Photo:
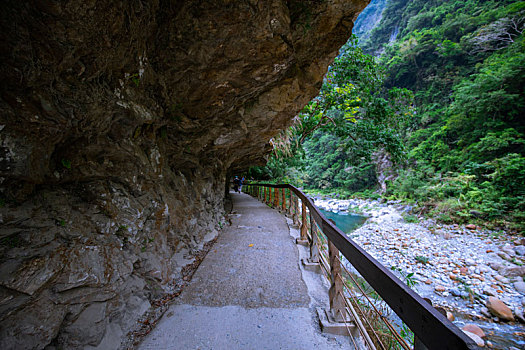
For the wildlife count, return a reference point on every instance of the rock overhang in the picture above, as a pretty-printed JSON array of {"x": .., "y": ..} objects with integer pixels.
[{"x": 119, "y": 124}]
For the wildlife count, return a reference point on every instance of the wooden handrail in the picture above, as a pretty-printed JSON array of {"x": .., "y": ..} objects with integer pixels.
[{"x": 428, "y": 325}]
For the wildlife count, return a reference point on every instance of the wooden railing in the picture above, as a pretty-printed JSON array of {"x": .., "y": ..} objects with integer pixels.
[{"x": 431, "y": 328}]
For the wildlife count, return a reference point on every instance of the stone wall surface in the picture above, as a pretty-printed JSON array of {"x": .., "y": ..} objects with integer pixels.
[{"x": 120, "y": 123}]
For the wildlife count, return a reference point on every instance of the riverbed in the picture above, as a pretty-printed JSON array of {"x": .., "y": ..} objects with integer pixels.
[{"x": 457, "y": 267}]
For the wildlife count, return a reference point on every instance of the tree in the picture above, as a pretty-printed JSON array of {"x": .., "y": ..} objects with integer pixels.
[
  {"x": 354, "y": 106},
  {"x": 498, "y": 34}
]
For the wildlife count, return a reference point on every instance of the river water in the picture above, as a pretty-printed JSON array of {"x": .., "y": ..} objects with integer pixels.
[{"x": 345, "y": 222}]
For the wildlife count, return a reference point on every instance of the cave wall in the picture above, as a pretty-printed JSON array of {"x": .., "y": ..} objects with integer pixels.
[{"x": 120, "y": 122}]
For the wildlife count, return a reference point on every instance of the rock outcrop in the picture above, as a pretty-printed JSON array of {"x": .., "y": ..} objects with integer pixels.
[
  {"x": 120, "y": 123},
  {"x": 384, "y": 168}
]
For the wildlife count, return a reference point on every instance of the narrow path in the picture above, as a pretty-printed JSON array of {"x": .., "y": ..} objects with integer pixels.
[{"x": 248, "y": 292}]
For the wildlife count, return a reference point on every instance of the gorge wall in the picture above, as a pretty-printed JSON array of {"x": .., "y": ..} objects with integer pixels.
[{"x": 120, "y": 123}]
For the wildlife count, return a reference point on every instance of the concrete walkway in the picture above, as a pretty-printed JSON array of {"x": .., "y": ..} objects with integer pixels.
[{"x": 248, "y": 293}]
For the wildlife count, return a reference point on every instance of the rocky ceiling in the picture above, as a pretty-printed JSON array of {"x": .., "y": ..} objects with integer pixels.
[{"x": 120, "y": 122}]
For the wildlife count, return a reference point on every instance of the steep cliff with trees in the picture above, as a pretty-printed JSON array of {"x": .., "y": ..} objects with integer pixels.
[
  {"x": 465, "y": 62},
  {"x": 369, "y": 19},
  {"x": 457, "y": 148}
]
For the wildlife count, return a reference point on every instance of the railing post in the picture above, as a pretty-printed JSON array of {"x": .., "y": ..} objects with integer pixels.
[
  {"x": 265, "y": 194},
  {"x": 337, "y": 304},
  {"x": 283, "y": 204},
  {"x": 314, "y": 248},
  {"x": 276, "y": 198},
  {"x": 336, "y": 319},
  {"x": 295, "y": 213},
  {"x": 289, "y": 209},
  {"x": 303, "y": 239},
  {"x": 312, "y": 263}
]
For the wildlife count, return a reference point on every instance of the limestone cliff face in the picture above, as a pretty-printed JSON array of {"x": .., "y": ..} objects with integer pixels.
[{"x": 120, "y": 122}]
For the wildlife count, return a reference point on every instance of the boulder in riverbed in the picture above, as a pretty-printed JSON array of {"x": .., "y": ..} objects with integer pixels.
[
  {"x": 487, "y": 290},
  {"x": 499, "y": 309},
  {"x": 513, "y": 271},
  {"x": 450, "y": 316},
  {"x": 520, "y": 287},
  {"x": 518, "y": 312},
  {"x": 504, "y": 256},
  {"x": 496, "y": 266},
  {"x": 440, "y": 288},
  {"x": 479, "y": 342},
  {"x": 472, "y": 328},
  {"x": 520, "y": 250}
]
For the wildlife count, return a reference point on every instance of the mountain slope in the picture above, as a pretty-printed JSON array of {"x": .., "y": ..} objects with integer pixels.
[{"x": 465, "y": 63}]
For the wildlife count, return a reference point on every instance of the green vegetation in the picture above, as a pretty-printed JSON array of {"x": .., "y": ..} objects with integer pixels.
[
  {"x": 408, "y": 278},
  {"x": 135, "y": 78},
  {"x": 66, "y": 163},
  {"x": 333, "y": 142},
  {"x": 12, "y": 241},
  {"x": 437, "y": 120},
  {"x": 410, "y": 218},
  {"x": 470, "y": 294},
  {"x": 421, "y": 259},
  {"x": 465, "y": 60},
  {"x": 407, "y": 334},
  {"x": 145, "y": 242}
]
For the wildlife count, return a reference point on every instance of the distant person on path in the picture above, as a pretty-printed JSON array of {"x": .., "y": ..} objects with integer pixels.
[
  {"x": 236, "y": 184},
  {"x": 242, "y": 183}
]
